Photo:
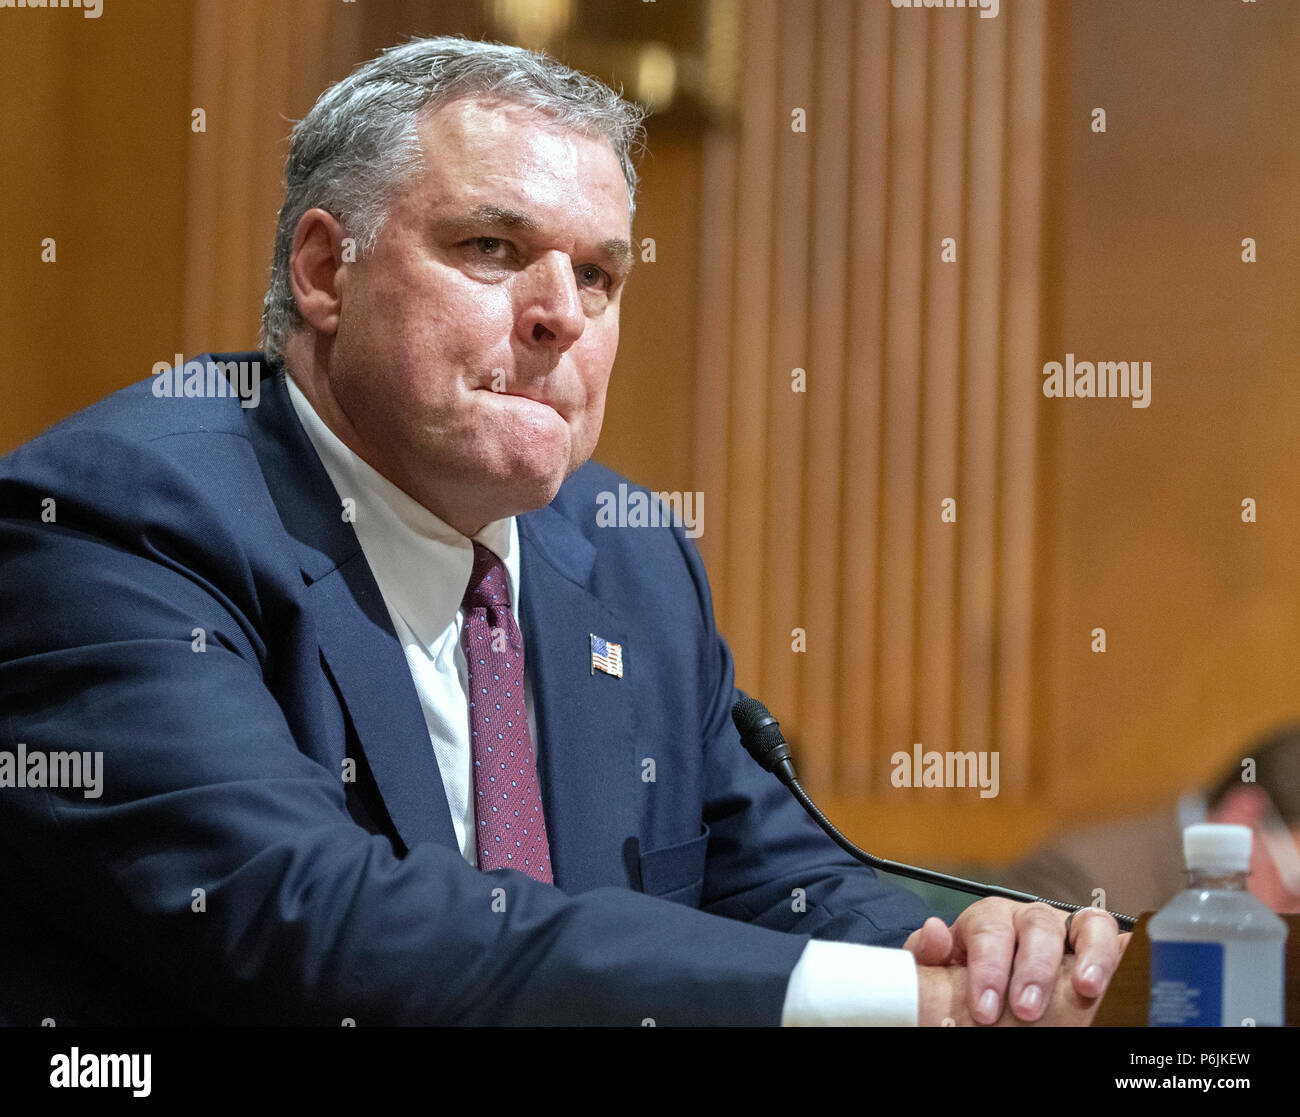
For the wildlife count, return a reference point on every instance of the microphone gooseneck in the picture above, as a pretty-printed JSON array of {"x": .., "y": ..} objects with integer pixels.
[{"x": 761, "y": 735}]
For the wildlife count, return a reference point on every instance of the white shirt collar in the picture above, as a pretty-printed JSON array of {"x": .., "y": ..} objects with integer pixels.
[{"x": 421, "y": 564}]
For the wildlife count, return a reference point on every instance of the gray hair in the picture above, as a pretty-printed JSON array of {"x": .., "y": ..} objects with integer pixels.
[{"x": 360, "y": 141}]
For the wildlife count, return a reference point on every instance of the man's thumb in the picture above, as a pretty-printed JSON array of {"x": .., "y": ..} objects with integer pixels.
[{"x": 932, "y": 944}]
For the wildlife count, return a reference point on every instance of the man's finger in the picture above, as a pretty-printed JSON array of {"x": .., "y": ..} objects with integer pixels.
[
  {"x": 986, "y": 934},
  {"x": 1040, "y": 947},
  {"x": 1094, "y": 936},
  {"x": 932, "y": 944}
]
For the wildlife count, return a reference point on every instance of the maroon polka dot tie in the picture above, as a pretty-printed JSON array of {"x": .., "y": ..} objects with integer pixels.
[{"x": 510, "y": 832}]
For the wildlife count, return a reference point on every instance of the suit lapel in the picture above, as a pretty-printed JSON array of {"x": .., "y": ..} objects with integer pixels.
[
  {"x": 587, "y": 757},
  {"x": 356, "y": 634}
]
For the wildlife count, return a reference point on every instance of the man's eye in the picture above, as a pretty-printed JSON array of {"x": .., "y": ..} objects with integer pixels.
[
  {"x": 489, "y": 246},
  {"x": 591, "y": 276}
]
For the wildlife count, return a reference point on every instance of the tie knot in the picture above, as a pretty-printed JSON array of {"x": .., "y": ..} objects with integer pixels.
[{"x": 487, "y": 587}]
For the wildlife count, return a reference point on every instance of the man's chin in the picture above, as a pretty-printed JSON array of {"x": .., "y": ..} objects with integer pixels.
[{"x": 526, "y": 489}]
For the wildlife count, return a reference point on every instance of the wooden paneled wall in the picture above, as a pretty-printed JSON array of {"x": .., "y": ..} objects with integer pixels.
[
  {"x": 925, "y": 381},
  {"x": 94, "y": 132},
  {"x": 823, "y": 252},
  {"x": 256, "y": 68},
  {"x": 1143, "y": 522}
]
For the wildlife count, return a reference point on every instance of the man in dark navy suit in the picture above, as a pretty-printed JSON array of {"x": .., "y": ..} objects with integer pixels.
[{"x": 389, "y": 728}]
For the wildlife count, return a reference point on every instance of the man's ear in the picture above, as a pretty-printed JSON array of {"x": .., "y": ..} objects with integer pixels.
[
  {"x": 316, "y": 270},
  {"x": 1246, "y": 805}
]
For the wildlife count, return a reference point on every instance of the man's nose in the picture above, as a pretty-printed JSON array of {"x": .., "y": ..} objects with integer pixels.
[{"x": 552, "y": 313}]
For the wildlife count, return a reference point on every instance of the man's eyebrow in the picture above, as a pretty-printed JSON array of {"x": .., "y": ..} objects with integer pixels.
[
  {"x": 496, "y": 216},
  {"x": 619, "y": 251},
  {"x": 615, "y": 249}
]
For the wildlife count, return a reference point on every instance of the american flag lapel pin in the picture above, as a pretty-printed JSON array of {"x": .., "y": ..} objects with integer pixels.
[{"x": 606, "y": 656}]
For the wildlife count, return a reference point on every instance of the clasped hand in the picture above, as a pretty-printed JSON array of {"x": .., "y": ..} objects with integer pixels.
[{"x": 1003, "y": 962}]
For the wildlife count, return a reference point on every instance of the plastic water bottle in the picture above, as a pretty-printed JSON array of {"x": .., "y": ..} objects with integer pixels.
[{"x": 1217, "y": 952}]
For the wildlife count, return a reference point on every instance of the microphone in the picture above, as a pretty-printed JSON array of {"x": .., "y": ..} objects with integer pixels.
[{"x": 761, "y": 735}]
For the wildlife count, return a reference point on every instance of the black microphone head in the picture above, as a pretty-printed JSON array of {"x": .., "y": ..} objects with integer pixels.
[
  {"x": 749, "y": 714},
  {"x": 760, "y": 732}
]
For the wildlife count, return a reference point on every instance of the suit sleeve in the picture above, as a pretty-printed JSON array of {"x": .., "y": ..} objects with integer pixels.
[{"x": 217, "y": 877}]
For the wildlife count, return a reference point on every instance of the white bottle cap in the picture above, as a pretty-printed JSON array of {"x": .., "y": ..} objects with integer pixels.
[{"x": 1217, "y": 847}]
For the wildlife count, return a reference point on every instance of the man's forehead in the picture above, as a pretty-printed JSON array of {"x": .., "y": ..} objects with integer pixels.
[
  {"x": 479, "y": 111},
  {"x": 477, "y": 147}
]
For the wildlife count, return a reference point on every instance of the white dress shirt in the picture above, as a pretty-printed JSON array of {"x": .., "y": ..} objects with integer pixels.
[{"x": 422, "y": 567}]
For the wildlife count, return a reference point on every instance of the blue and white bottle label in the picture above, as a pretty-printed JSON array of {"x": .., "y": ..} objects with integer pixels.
[{"x": 1186, "y": 985}]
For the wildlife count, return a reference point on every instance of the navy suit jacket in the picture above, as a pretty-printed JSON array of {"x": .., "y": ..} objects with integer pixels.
[{"x": 230, "y": 873}]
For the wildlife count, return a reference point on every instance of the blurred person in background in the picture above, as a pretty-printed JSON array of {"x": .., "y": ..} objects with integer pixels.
[{"x": 1138, "y": 861}]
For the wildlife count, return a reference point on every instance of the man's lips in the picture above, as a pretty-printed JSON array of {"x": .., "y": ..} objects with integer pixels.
[{"x": 531, "y": 397}]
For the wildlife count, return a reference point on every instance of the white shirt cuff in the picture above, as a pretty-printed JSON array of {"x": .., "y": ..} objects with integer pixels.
[{"x": 839, "y": 984}]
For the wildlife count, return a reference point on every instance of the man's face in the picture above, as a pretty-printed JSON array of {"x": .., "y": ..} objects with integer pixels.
[
  {"x": 1275, "y": 867},
  {"x": 475, "y": 342}
]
